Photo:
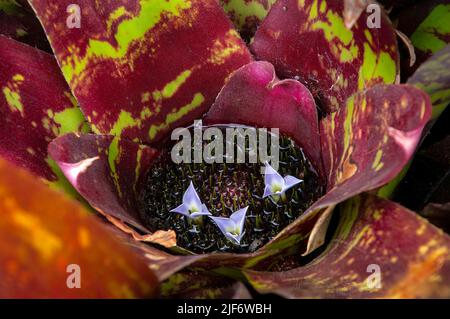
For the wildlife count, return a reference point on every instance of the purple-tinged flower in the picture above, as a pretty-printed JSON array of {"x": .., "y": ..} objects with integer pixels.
[
  {"x": 192, "y": 206},
  {"x": 276, "y": 185},
  {"x": 232, "y": 227}
]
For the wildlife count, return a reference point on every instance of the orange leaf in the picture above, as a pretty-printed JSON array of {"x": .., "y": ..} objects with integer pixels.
[{"x": 49, "y": 243}]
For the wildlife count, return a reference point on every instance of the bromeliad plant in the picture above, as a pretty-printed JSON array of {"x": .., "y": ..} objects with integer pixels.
[{"x": 139, "y": 69}]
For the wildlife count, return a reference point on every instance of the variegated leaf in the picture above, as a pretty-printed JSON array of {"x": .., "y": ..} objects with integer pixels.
[{"x": 140, "y": 68}]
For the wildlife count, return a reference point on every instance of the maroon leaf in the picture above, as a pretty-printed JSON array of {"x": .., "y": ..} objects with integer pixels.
[
  {"x": 35, "y": 107},
  {"x": 367, "y": 143},
  {"x": 310, "y": 42},
  {"x": 141, "y": 68},
  {"x": 374, "y": 236}
]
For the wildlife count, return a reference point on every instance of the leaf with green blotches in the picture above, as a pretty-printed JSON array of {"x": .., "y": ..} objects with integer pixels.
[
  {"x": 434, "y": 31},
  {"x": 311, "y": 42},
  {"x": 366, "y": 144},
  {"x": 35, "y": 107},
  {"x": 380, "y": 250},
  {"x": 18, "y": 21},
  {"x": 247, "y": 15},
  {"x": 47, "y": 239},
  {"x": 142, "y": 68}
]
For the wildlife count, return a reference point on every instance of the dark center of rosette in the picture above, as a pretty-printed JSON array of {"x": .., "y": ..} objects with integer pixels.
[{"x": 225, "y": 188}]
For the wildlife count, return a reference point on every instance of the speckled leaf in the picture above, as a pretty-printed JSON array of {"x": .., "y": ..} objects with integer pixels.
[
  {"x": 140, "y": 68},
  {"x": 105, "y": 170},
  {"x": 35, "y": 107},
  {"x": 42, "y": 233},
  {"x": 426, "y": 24},
  {"x": 247, "y": 15},
  {"x": 18, "y": 21},
  {"x": 434, "y": 78},
  {"x": 411, "y": 255},
  {"x": 308, "y": 40},
  {"x": 255, "y": 96},
  {"x": 202, "y": 285},
  {"x": 369, "y": 141}
]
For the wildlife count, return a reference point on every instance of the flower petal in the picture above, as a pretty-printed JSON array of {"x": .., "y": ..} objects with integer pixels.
[
  {"x": 182, "y": 209},
  {"x": 267, "y": 191},
  {"x": 202, "y": 213},
  {"x": 291, "y": 181},
  {"x": 234, "y": 237},
  {"x": 271, "y": 178},
  {"x": 238, "y": 218},
  {"x": 254, "y": 96},
  {"x": 35, "y": 107},
  {"x": 205, "y": 210},
  {"x": 108, "y": 183},
  {"x": 223, "y": 223},
  {"x": 412, "y": 256},
  {"x": 191, "y": 198},
  {"x": 44, "y": 237},
  {"x": 336, "y": 62},
  {"x": 141, "y": 68}
]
